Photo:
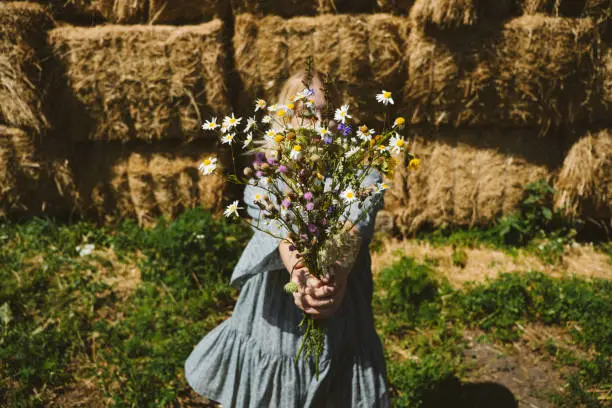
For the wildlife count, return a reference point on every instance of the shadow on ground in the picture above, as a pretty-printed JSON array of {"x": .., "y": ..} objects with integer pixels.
[{"x": 452, "y": 393}]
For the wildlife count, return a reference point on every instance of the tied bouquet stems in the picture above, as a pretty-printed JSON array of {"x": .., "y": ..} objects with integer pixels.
[{"x": 309, "y": 169}]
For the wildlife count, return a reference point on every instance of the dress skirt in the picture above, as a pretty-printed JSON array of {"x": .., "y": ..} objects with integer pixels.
[{"x": 248, "y": 360}]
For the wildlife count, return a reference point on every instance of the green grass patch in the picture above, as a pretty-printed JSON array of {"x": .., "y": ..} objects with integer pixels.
[{"x": 412, "y": 303}]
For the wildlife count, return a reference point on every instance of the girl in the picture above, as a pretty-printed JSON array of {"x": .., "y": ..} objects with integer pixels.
[{"x": 248, "y": 360}]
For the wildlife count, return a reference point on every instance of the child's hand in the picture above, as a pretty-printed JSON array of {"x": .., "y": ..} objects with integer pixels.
[{"x": 315, "y": 297}]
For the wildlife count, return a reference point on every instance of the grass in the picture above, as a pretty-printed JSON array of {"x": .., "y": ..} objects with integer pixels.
[
  {"x": 426, "y": 318},
  {"x": 118, "y": 323},
  {"x": 59, "y": 312}
]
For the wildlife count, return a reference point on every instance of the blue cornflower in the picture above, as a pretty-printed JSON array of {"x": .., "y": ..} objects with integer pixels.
[{"x": 345, "y": 129}]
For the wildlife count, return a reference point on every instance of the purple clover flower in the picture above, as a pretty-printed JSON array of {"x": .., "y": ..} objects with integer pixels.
[
  {"x": 327, "y": 139},
  {"x": 308, "y": 196},
  {"x": 345, "y": 129},
  {"x": 260, "y": 156},
  {"x": 271, "y": 161},
  {"x": 312, "y": 228},
  {"x": 292, "y": 248},
  {"x": 304, "y": 237},
  {"x": 310, "y": 206},
  {"x": 282, "y": 169},
  {"x": 259, "y": 173},
  {"x": 324, "y": 221},
  {"x": 286, "y": 203},
  {"x": 331, "y": 210}
]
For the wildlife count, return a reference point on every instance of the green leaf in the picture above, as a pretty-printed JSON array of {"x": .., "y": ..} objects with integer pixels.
[{"x": 547, "y": 213}]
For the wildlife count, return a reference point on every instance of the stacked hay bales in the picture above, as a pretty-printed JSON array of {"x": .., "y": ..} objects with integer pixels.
[
  {"x": 364, "y": 52},
  {"x": 22, "y": 48},
  {"x": 31, "y": 182},
  {"x": 445, "y": 14},
  {"x": 537, "y": 72},
  {"x": 467, "y": 177},
  {"x": 141, "y": 82},
  {"x": 291, "y": 8},
  {"x": 584, "y": 183},
  {"x": 144, "y": 180},
  {"x": 89, "y": 12}
]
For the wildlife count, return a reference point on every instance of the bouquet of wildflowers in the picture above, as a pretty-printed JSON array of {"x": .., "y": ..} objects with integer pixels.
[{"x": 311, "y": 173}]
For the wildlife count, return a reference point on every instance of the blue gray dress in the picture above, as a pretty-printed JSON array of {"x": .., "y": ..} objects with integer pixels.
[{"x": 248, "y": 360}]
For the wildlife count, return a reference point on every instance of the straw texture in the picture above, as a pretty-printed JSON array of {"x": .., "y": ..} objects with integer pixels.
[{"x": 141, "y": 82}]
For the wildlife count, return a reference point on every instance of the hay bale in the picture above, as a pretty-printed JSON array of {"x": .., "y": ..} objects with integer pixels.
[
  {"x": 448, "y": 14},
  {"x": 292, "y": 8},
  {"x": 539, "y": 72},
  {"x": 568, "y": 8},
  {"x": 22, "y": 46},
  {"x": 467, "y": 177},
  {"x": 400, "y": 7},
  {"x": 192, "y": 11},
  {"x": 364, "y": 52},
  {"x": 141, "y": 82},
  {"x": 144, "y": 181},
  {"x": 584, "y": 184}
]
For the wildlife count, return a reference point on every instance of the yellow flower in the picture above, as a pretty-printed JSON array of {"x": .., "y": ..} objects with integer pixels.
[
  {"x": 297, "y": 148},
  {"x": 399, "y": 122},
  {"x": 319, "y": 176},
  {"x": 281, "y": 113},
  {"x": 414, "y": 164},
  {"x": 291, "y": 106},
  {"x": 278, "y": 138}
]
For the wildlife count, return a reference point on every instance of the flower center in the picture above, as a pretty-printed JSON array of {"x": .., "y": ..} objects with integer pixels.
[{"x": 387, "y": 95}]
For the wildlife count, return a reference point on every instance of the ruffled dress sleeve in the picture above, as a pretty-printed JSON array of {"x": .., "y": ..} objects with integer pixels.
[{"x": 261, "y": 253}]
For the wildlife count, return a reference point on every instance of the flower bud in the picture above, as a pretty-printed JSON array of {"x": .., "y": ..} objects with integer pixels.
[
  {"x": 265, "y": 166},
  {"x": 290, "y": 136},
  {"x": 248, "y": 171}
]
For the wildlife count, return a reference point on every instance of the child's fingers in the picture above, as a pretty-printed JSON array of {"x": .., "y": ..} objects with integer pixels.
[{"x": 321, "y": 292}]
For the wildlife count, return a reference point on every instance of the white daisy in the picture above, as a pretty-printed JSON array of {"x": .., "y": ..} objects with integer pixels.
[
  {"x": 396, "y": 144},
  {"x": 342, "y": 114},
  {"x": 364, "y": 133},
  {"x": 273, "y": 108},
  {"x": 348, "y": 195},
  {"x": 351, "y": 152},
  {"x": 310, "y": 103},
  {"x": 266, "y": 119},
  {"x": 270, "y": 135},
  {"x": 257, "y": 198},
  {"x": 381, "y": 148},
  {"x": 208, "y": 166},
  {"x": 296, "y": 152},
  {"x": 232, "y": 209},
  {"x": 228, "y": 139},
  {"x": 231, "y": 121},
  {"x": 250, "y": 123},
  {"x": 247, "y": 141},
  {"x": 224, "y": 129},
  {"x": 384, "y": 97},
  {"x": 260, "y": 104},
  {"x": 322, "y": 131},
  {"x": 382, "y": 186},
  {"x": 210, "y": 124}
]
